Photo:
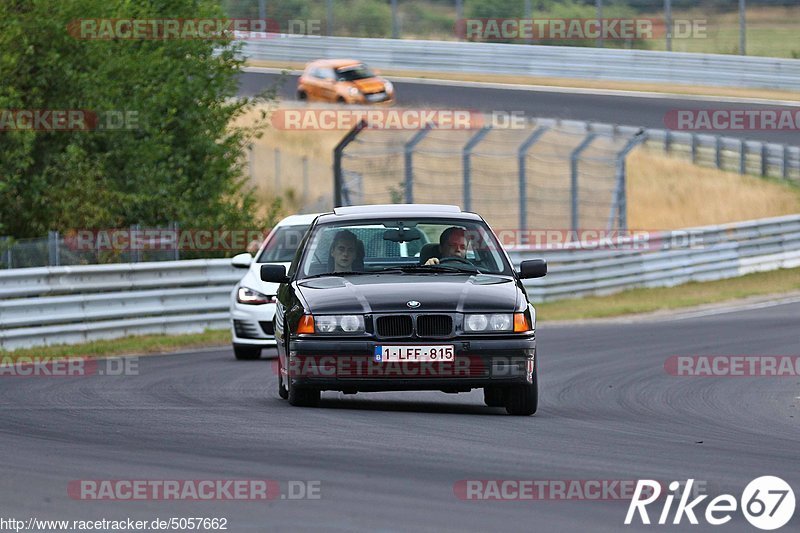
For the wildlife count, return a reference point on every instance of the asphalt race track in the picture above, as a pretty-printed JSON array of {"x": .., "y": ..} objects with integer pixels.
[
  {"x": 389, "y": 461},
  {"x": 626, "y": 110}
]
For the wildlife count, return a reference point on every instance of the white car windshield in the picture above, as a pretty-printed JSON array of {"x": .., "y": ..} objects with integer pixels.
[{"x": 282, "y": 244}]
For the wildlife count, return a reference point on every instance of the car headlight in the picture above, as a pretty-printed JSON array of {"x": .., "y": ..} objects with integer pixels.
[
  {"x": 488, "y": 323},
  {"x": 388, "y": 86},
  {"x": 354, "y": 91},
  {"x": 246, "y": 295},
  {"x": 342, "y": 324}
]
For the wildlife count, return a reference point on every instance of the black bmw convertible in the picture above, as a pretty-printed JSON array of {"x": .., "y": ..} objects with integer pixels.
[{"x": 405, "y": 297}]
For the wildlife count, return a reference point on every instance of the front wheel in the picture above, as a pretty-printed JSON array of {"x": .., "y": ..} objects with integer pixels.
[
  {"x": 246, "y": 353},
  {"x": 302, "y": 397},
  {"x": 493, "y": 397},
  {"x": 522, "y": 400},
  {"x": 283, "y": 392}
]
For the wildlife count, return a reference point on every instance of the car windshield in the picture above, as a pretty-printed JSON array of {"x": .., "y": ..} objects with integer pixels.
[
  {"x": 356, "y": 72},
  {"x": 282, "y": 244},
  {"x": 406, "y": 245}
]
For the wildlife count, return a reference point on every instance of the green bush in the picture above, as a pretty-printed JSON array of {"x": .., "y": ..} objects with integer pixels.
[{"x": 179, "y": 162}]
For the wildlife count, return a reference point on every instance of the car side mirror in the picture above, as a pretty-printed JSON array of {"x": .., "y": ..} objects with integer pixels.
[
  {"x": 533, "y": 268},
  {"x": 242, "y": 260},
  {"x": 274, "y": 274}
]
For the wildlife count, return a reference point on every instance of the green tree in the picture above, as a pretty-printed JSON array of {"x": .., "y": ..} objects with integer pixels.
[{"x": 176, "y": 159}]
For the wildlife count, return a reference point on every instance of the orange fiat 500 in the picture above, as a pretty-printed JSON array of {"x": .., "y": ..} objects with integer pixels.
[{"x": 343, "y": 81}]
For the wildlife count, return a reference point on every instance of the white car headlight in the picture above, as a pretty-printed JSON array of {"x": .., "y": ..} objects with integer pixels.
[
  {"x": 341, "y": 324},
  {"x": 388, "y": 86},
  {"x": 497, "y": 322},
  {"x": 246, "y": 295},
  {"x": 354, "y": 91}
]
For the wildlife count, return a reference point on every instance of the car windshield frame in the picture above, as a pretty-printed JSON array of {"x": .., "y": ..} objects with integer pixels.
[
  {"x": 276, "y": 236},
  {"x": 343, "y": 73},
  {"x": 476, "y": 227}
]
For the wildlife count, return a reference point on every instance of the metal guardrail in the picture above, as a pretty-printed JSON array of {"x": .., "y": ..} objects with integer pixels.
[
  {"x": 65, "y": 305},
  {"x": 544, "y": 61},
  {"x": 667, "y": 259}
]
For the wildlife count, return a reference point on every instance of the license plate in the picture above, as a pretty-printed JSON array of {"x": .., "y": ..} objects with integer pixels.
[
  {"x": 437, "y": 352},
  {"x": 377, "y": 97}
]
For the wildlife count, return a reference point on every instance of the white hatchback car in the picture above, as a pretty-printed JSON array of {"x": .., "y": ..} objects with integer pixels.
[{"x": 253, "y": 300}]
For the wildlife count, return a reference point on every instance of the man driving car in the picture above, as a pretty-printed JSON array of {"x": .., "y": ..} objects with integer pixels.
[{"x": 452, "y": 243}]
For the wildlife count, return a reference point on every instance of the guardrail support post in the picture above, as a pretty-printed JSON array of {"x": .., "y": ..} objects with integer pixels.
[
  {"x": 175, "y": 232},
  {"x": 467, "y": 164},
  {"x": 329, "y": 17},
  {"x": 5, "y": 243},
  {"x": 52, "y": 249},
  {"x": 338, "y": 152},
  {"x": 717, "y": 151},
  {"x": 694, "y": 148},
  {"x": 409, "y": 161},
  {"x": 133, "y": 240},
  {"x": 574, "y": 156},
  {"x": 522, "y": 153},
  {"x": 764, "y": 159},
  {"x": 620, "y": 203},
  {"x": 742, "y": 157},
  {"x": 785, "y": 165}
]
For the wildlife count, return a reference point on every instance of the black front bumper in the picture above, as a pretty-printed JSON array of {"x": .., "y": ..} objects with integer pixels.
[{"x": 349, "y": 365}]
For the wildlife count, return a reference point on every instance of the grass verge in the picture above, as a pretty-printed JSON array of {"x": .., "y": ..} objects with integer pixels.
[
  {"x": 144, "y": 344},
  {"x": 636, "y": 301},
  {"x": 624, "y": 303}
]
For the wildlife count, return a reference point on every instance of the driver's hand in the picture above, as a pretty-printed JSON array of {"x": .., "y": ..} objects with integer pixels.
[{"x": 432, "y": 261}]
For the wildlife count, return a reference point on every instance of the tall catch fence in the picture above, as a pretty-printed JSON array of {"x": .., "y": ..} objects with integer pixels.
[{"x": 546, "y": 175}]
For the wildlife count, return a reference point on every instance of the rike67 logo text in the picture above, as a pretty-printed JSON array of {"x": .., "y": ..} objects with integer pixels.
[{"x": 767, "y": 502}]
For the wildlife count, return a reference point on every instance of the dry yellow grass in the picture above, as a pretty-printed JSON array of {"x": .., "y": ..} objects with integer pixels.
[
  {"x": 277, "y": 159},
  {"x": 667, "y": 193},
  {"x": 663, "y": 192}
]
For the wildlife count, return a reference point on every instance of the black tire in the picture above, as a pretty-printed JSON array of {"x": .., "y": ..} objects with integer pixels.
[
  {"x": 522, "y": 400},
  {"x": 494, "y": 397},
  {"x": 341, "y": 100},
  {"x": 302, "y": 397},
  {"x": 283, "y": 392},
  {"x": 301, "y": 95},
  {"x": 246, "y": 353}
]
